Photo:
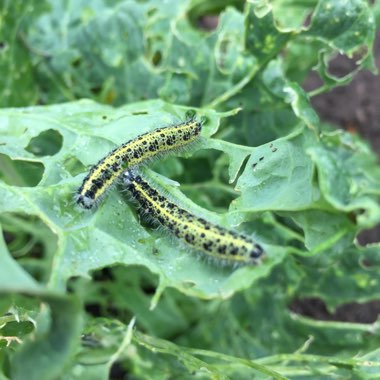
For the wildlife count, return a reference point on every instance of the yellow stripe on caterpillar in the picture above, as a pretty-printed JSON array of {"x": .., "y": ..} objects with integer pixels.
[
  {"x": 132, "y": 153},
  {"x": 212, "y": 240}
]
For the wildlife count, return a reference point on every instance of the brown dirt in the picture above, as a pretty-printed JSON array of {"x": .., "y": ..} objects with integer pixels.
[{"x": 356, "y": 108}]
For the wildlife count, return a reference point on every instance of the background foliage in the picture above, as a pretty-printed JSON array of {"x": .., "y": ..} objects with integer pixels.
[{"x": 102, "y": 294}]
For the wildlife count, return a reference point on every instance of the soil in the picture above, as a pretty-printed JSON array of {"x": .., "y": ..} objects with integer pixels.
[{"x": 356, "y": 108}]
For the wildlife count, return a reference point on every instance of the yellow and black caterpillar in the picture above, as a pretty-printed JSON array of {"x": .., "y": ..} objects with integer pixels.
[
  {"x": 212, "y": 240},
  {"x": 132, "y": 153}
]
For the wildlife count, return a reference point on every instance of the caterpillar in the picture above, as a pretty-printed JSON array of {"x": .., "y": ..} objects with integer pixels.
[
  {"x": 212, "y": 240},
  {"x": 132, "y": 153}
]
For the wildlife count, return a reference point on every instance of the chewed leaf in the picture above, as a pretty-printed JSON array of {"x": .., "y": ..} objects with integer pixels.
[
  {"x": 111, "y": 233},
  {"x": 279, "y": 176},
  {"x": 349, "y": 175}
]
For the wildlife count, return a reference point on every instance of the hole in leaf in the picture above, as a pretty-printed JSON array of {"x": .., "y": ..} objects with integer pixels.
[
  {"x": 47, "y": 143},
  {"x": 205, "y": 15},
  {"x": 20, "y": 172},
  {"x": 30, "y": 242},
  {"x": 155, "y": 46},
  {"x": 74, "y": 166},
  {"x": 288, "y": 223},
  {"x": 307, "y": 20},
  {"x": 312, "y": 82},
  {"x": 243, "y": 167},
  {"x": 341, "y": 65},
  {"x": 354, "y": 312},
  {"x": 117, "y": 371},
  {"x": 369, "y": 236},
  {"x": 156, "y": 58},
  {"x": 104, "y": 298},
  {"x": 208, "y": 22}
]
